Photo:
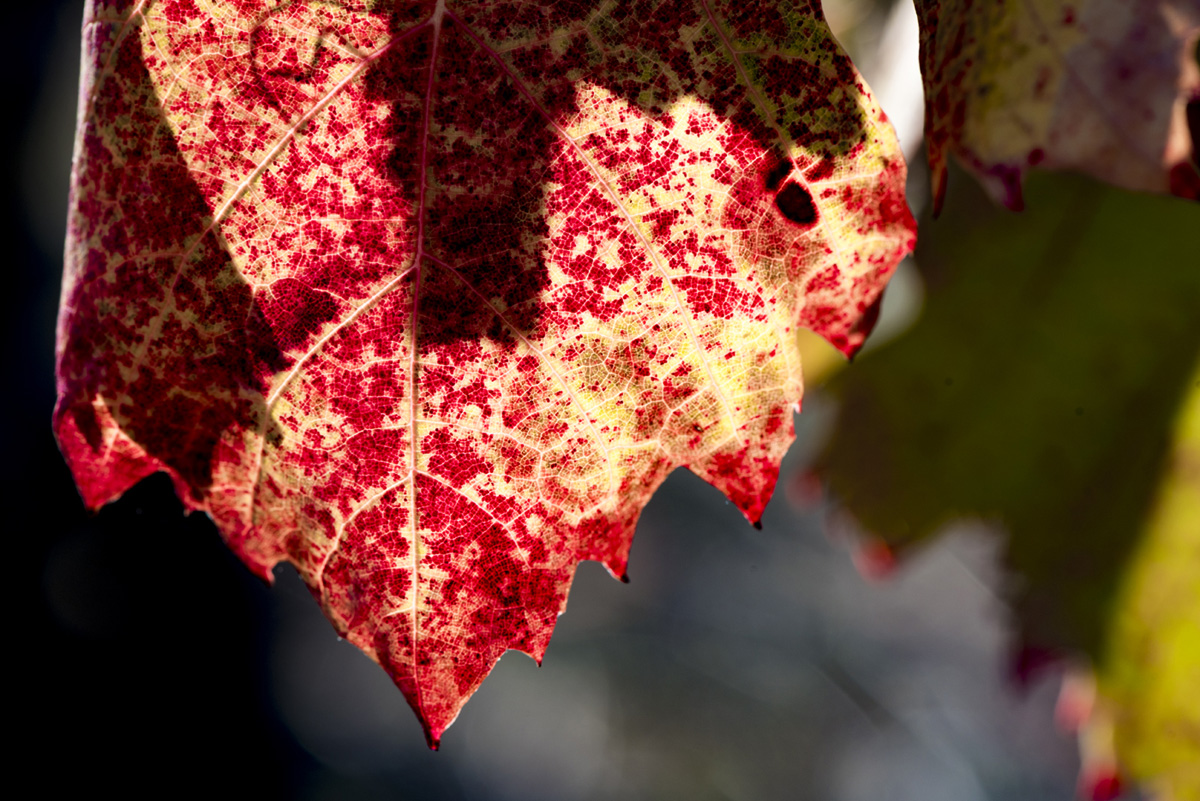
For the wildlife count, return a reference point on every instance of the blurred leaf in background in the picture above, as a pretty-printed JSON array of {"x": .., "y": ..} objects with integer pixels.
[
  {"x": 1040, "y": 389},
  {"x": 1150, "y": 673}
]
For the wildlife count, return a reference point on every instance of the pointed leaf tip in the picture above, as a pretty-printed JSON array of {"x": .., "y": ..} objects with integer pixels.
[{"x": 435, "y": 357}]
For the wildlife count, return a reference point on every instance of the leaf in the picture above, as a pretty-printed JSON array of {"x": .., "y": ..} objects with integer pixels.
[
  {"x": 1105, "y": 88},
  {"x": 1040, "y": 390},
  {"x": 427, "y": 299},
  {"x": 1150, "y": 670}
]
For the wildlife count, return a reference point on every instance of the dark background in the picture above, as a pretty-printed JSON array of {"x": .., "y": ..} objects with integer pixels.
[
  {"x": 139, "y": 639},
  {"x": 738, "y": 664}
]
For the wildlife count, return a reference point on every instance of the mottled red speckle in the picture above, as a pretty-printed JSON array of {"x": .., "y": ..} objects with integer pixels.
[
  {"x": 776, "y": 174},
  {"x": 426, "y": 299}
]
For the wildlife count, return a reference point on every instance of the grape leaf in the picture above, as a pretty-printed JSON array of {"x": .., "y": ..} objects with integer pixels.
[
  {"x": 1106, "y": 88},
  {"x": 1147, "y": 718},
  {"x": 426, "y": 299},
  {"x": 1061, "y": 429}
]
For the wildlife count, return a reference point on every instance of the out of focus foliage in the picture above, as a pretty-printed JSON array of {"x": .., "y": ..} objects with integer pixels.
[
  {"x": 1150, "y": 673},
  {"x": 1043, "y": 389}
]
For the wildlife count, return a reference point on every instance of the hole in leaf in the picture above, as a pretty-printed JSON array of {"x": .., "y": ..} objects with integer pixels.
[{"x": 796, "y": 203}]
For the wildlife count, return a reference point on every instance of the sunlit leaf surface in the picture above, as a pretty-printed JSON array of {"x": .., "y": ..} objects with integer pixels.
[{"x": 427, "y": 299}]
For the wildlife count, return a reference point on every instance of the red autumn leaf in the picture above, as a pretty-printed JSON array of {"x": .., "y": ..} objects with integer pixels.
[
  {"x": 1110, "y": 88},
  {"x": 428, "y": 299}
]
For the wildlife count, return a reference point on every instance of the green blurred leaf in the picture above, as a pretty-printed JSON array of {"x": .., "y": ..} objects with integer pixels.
[
  {"x": 1150, "y": 676},
  {"x": 1038, "y": 390},
  {"x": 1044, "y": 388}
]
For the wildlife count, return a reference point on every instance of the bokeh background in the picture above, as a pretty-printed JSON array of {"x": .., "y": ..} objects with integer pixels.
[{"x": 737, "y": 664}]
